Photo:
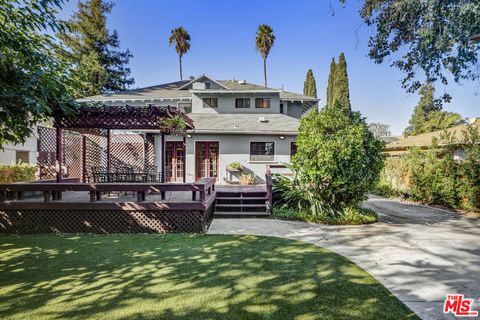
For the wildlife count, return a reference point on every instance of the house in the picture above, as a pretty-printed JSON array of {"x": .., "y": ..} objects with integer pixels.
[
  {"x": 401, "y": 146},
  {"x": 234, "y": 121},
  {"x": 25, "y": 153}
]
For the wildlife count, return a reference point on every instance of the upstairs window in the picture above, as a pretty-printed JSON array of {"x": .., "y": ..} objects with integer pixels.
[
  {"x": 185, "y": 107},
  {"x": 210, "y": 102},
  {"x": 242, "y": 103},
  {"x": 293, "y": 148},
  {"x": 207, "y": 85},
  {"x": 262, "y": 103},
  {"x": 262, "y": 151}
]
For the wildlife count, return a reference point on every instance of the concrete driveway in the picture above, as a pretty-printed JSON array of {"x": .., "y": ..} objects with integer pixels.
[{"x": 419, "y": 253}]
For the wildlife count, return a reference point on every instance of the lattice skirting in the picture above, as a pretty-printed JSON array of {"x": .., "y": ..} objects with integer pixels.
[{"x": 104, "y": 221}]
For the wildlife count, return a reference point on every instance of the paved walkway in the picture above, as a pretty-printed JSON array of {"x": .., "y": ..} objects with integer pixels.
[{"x": 418, "y": 253}]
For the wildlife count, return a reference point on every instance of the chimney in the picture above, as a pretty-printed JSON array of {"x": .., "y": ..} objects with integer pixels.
[{"x": 404, "y": 135}]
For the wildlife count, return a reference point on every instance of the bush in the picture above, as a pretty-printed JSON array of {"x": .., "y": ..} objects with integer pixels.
[
  {"x": 432, "y": 176},
  {"x": 17, "y": 173},
  {"x": 351, "y": 216},
  {"x": 338, "y": 161},
  {"x": 246, "y": 179}
]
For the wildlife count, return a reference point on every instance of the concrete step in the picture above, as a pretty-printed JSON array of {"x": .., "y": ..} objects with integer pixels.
[
  {"x": 241, "y": 198},
  {"x": 227, "y": 214}
]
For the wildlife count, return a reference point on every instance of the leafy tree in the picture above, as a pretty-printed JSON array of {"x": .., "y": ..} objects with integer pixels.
[
  {"x": 99, "y": 66},
  {"x": 379, "y": 129},
  {"x": 341, "y": 91},
  {"x": 264, "y": 42},
  {"x": 181, "y": 38},
  {"x": 337, "y": 162},
  {"x": 437, "y": 37},
  {"x": 330, "y": 85},
  {"x": 310, "y": 85},
  {"x": 429, "y": 116},
  {"x": 33, "y": 81}
]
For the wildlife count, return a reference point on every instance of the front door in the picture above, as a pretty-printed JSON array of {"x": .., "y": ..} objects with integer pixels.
[
  {"x": 206, "y": 159},
  {"x": 175, "y": 157}
]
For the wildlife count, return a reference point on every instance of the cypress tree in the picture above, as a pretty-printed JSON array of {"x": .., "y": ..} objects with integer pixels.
[
  {"x": 331, "y": 78},
  {"x": 98, "y": 64},
  {"x": 310, "y": 85},
  {"x": 341, "y": 92},
  {"x": 428, "y": 116}
]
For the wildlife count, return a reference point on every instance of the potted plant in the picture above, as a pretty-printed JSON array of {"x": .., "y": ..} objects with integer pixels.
[{"x": 235, "y": 167}]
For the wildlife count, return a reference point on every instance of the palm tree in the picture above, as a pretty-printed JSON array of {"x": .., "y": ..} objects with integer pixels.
[
  {"x": 264, "y": 42},
  {"x": 181, "y": 38}
]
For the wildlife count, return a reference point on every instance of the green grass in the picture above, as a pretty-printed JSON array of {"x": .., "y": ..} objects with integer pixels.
[
  {"x": 351, "y": 216},
  {"x": 184, "y": 277}
]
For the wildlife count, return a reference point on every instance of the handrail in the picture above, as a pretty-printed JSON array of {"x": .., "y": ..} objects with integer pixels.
[{"x": 54, "y": 190}]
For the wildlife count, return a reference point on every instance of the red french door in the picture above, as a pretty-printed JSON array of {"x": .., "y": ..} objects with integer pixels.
[
  {"x": 206, "y": 159},
  {"x": 174, "y": 161}
]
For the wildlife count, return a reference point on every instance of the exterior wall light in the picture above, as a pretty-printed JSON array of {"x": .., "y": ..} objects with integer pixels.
[{"x": 282, "y": 137}]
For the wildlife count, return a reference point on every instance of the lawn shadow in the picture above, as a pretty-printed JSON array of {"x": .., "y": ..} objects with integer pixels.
[{"x": 184, "y": 277}]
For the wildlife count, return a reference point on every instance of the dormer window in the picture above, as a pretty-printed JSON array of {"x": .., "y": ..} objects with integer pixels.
[{"x": 262, "y": 103}]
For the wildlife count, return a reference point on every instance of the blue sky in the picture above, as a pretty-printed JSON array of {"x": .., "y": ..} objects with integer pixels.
[{"x": 309, "y": 34}]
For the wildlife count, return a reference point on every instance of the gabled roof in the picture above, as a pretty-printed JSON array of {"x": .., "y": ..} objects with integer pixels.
[
  {"x": 244, "y": 123},
  {"x": 186, "y": 85},
  {"x": 177, "y": 90}
]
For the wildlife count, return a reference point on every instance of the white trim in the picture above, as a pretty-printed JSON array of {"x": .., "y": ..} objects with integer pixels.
[
  {"x": 134, "y": 99},
  {"x": 201, "y": 77},
  {"x": 235, "y": 91}
]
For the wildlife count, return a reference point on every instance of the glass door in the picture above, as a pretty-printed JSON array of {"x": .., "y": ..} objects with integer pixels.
[
  {"x": 174, "y": 161},
  {"x": 206, "y": 159}
]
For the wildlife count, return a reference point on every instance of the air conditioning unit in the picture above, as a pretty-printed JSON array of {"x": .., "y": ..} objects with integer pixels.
[
  {"x": 262, "y": 119},
  {"x": 242, "y": 82}
]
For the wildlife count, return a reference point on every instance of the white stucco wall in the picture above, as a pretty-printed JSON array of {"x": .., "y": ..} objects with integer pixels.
[
  {"x": 8, "y": 155},
  {"x": 294, "y": 109},
  {"x": 231, "y": 148}
]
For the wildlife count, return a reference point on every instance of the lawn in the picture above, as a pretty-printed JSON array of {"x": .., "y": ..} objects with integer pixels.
[{"x": 184, "y": 277}]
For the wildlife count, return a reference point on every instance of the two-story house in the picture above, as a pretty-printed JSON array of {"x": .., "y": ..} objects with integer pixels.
[{"x": 234, "y": 121}]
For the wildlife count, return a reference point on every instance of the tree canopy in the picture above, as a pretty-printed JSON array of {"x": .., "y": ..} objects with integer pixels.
[
  {"x": 99, "y": 66},
  {"x": 379, "y": 129},
  {"x": 436, "y": 37},
  {"x": 33, "y": 81},
  {"x": 264, "y": 41},
  {"x": 310, "y": 85},
  {"x": 429, "y": 116}
]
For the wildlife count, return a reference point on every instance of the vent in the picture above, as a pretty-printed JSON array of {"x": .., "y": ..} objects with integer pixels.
[
  {"x": 262, "y": 119},
  {"x": 242, "y": 82}
]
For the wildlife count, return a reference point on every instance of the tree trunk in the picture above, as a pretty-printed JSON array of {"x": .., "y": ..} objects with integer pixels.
[
  {"x": 181, "y": 76},
  {"x": 265, "y": 70}
]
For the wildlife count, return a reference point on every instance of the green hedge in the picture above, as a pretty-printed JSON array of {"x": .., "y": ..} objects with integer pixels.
[
  {"x": 17, "y": 173},
  {"x": 433, "y": 176}
]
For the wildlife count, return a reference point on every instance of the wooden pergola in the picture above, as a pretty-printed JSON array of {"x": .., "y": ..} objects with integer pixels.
[{"x": 100, "y": 120}]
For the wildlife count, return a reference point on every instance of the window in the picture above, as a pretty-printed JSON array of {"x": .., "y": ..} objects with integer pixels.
[
  {"x": 207, "y": 85},
  {"x": 185, "y": 106},
  {"x": 242, "y": 103},
  {"x": 281, "y": 108},
  {"x": 21, "y": 156},
  {"x": 210, "y": 102},
  {"x": 293, "y": 148},
  {"x": 262, "y": 151},
  {"x": 262, "y": 103}
]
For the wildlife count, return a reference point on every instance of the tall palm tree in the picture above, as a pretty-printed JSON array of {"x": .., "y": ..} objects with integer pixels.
[
  {"x": 181, "y": 38},
  {"x": 264, "y": 42}
]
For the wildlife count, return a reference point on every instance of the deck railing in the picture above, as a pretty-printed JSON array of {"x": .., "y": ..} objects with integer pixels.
[
  {"x": 269, "y": 182},
  {"x": 53, "y": 191}
]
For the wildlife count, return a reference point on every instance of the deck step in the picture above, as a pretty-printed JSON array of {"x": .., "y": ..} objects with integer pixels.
[
  {"x": 241, "y": 198},
  {"x": 232, "y": 214},
  {"x": 243, "y": 205}
]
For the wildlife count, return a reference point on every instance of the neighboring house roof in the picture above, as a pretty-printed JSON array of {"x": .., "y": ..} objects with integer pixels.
[
  {"x": 244, "y": 123},
  {"x": 173, "y": 90},
  {"x": 388, "y": 139},
  {"x": 425, "y": 140}
]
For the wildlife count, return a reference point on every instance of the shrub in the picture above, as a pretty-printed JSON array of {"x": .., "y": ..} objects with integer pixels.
[
  {"x": 246, "y": 179},
  {"x": 17, "y": 173},
  {"x": 337, "y": 162},
  {"x": 351, "y": 216},
  {"x": 236, "y": 166}
]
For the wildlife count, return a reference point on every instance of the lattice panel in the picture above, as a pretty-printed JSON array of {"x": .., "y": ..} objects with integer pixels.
[
  {"x": 96, "y": 152},
  {"x": 103, "y": 221},
  {"x": 72, "y": 154},
  {"x": 46, "y": 148},
  {"x": 127, "y": 150}
]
